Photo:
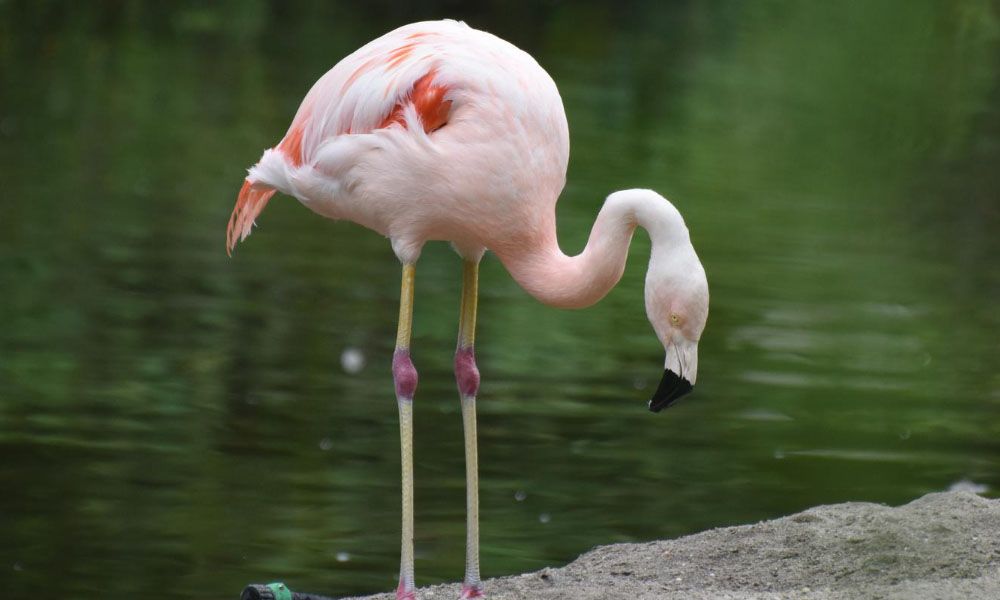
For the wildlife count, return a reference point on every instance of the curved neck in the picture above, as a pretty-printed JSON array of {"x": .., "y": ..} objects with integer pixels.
[{"x": 554, "y": 278}]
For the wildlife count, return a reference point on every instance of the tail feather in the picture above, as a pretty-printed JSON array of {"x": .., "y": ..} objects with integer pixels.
[{"x": 251, "y": 201}]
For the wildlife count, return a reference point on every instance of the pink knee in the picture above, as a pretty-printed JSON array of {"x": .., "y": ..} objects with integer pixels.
[
  {"x": 404, "y": 374},
  {"x": 466, "y": 372}
]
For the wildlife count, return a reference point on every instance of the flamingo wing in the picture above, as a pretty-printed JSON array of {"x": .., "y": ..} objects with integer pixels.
[{"x": 392, "y": 81}]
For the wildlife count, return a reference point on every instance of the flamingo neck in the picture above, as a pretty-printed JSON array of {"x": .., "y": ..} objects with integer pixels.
[{"x": 554, "y": 278}]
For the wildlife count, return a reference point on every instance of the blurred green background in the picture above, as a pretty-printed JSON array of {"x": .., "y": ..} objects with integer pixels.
[{"x": 175, "y": 423}]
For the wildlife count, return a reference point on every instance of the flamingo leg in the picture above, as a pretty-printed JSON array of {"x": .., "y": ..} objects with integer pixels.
[
  {"x": 404, "y": 376},
  {"x": 467, "y": 377}
]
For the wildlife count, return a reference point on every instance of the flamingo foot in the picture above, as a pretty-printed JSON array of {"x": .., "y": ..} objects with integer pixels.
[
  {"x": 402, "y": 593},
  {"x": 472, "y": 591}
]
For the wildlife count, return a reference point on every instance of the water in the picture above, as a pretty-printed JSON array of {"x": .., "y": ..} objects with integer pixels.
[{"x": 175, "y": 424}]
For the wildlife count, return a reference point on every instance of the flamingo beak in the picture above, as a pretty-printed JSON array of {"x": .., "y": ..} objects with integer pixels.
[{"x": 672, "y": 387}]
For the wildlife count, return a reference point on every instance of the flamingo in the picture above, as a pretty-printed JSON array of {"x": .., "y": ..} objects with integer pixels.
[{"x": 438, "y": 131}]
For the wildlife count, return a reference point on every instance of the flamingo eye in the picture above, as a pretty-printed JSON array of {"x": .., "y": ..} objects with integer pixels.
[{"x": 675, "y": 318}]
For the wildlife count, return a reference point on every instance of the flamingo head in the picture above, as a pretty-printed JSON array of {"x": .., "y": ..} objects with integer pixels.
[{"x": 677, "y": 307}]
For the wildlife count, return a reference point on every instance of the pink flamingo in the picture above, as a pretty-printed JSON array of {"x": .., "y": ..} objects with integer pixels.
[{"x": 437, "y": 131}]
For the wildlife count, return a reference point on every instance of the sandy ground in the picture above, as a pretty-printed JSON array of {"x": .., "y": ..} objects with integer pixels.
[{"x": 941, "y": 546}]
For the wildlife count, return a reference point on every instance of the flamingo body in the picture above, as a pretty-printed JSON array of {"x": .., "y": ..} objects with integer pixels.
[{"x": 434, "y": 131}]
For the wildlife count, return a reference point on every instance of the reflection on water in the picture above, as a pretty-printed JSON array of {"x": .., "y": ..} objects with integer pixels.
[{"x": 175, "y": 424}]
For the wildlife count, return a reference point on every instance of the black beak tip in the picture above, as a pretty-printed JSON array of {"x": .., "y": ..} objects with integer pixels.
[{"x": 672, "y": 387}]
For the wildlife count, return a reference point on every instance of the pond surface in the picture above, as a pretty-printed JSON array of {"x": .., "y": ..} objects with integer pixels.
[{"x": 175, "y": 423}]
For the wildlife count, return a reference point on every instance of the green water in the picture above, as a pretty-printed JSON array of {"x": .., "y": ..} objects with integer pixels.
[{"x": 175, "y": 423}]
